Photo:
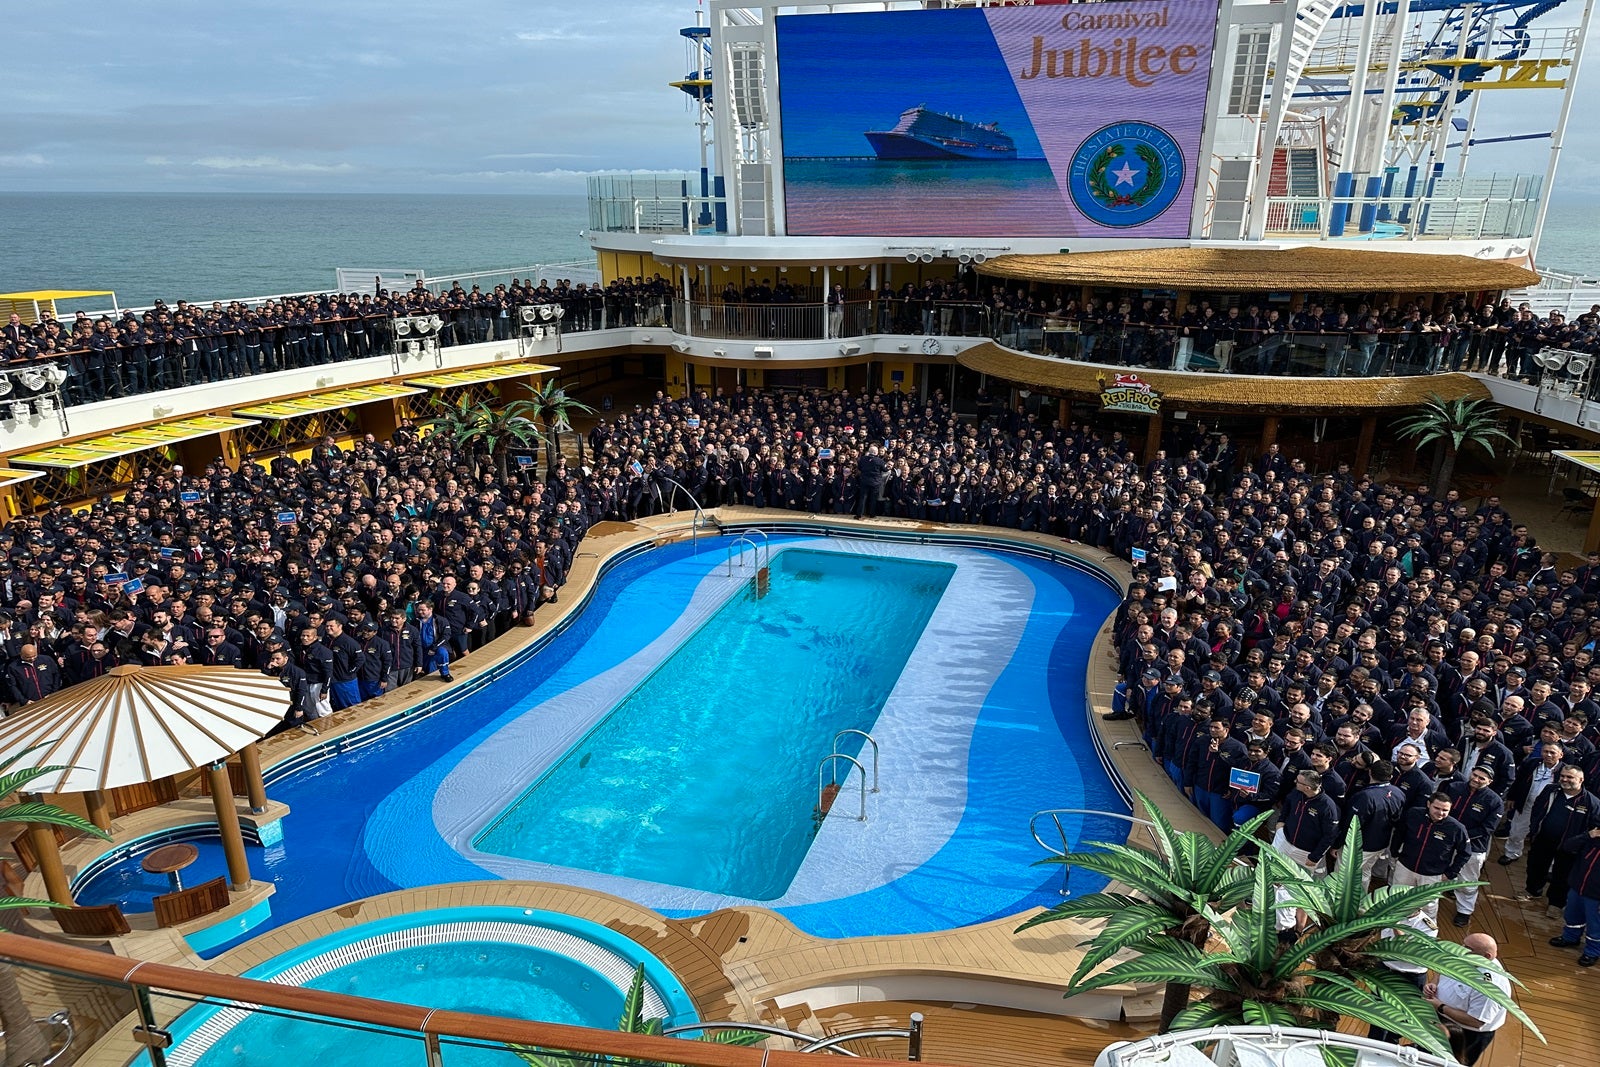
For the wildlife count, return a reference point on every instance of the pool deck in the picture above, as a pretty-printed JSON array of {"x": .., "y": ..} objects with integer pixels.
[{"x": 736, "y": 962}]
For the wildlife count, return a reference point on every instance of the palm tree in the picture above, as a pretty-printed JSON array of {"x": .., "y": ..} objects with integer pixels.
[
  {"x": 1452, "y": 425},
  {"x": 1179, "y": 886},
  {"x": 550, "y": 405},
  {"x": 25, "y": 1041},
  {"x": 1336, "y": 968},
  {"x": 473, "y": 425},
  {"x": 633, "y": 1021}
]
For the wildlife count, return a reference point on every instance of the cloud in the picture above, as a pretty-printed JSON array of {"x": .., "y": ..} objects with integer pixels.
[
  {"x": 269, "y": 163},
  {"x": 23, "y": 159},
  {"x": 556, "y": 34},
  {"x": 536, "y": 155},
  {"x": 376, "y": 59}
]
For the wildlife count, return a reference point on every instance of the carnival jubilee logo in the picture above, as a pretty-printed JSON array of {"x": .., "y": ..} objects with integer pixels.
[
  {"x": 1129, "y": 392},
  {"x": 1126, "y": 174}
]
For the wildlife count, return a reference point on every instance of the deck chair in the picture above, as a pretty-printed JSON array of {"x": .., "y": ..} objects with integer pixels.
[
  {"x": 96, "y": 920},
  {"x": 1575, "y": 502}
]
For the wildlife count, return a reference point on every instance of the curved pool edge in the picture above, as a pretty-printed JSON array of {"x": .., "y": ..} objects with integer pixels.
[{"x": 611, "y": 544}]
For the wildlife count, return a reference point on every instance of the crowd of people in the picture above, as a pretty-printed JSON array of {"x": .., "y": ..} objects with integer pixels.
[
  {"x": 187, "y": 343},
  {"x": 1360, "y": 652}
]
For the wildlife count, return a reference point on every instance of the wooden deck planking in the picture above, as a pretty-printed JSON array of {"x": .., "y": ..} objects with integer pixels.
[{"x": 980, "y": 1036}]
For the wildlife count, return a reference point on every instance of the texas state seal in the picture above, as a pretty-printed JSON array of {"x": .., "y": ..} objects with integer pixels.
[{"x": 1126, "y": 174}]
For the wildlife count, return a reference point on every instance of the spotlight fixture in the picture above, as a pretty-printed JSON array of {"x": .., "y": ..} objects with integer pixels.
[
  {"x": 530, "y": 314},
  {"x": 849, "y": 348},
  {"x": 18, "y": 409},
  {"x": 680, "y": 346},
  {"x": 5, "y": 385},
  {"x": 55, "y": 374},
  {"x": 402, "y": 327},
  {"x": 31, "y": 380},
  {"x": 719, "y": 352},
  {"x": 926, "y": 257},
  {"x": 763, "y": 352}
]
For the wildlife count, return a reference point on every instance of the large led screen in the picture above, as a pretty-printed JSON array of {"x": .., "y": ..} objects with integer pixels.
[{"x": 1056, "y": 121}]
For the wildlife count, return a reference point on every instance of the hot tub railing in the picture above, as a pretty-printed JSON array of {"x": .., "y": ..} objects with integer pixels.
[{"x": 160, "y": 993}]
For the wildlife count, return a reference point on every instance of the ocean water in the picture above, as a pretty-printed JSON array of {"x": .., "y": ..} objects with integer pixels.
[{"x": 204, "y": 246}]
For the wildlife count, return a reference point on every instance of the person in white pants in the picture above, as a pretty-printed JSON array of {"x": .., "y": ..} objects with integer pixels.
[
  {"x": 1478, "y": 808},
  {"x": 1530, "y": 782}
]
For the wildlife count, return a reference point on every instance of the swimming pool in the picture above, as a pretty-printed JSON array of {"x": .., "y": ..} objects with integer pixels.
[
  {"x": 983, "y": 725},
  {"x": 518, "y": 963},
  {"x": 761, "y": 688}
]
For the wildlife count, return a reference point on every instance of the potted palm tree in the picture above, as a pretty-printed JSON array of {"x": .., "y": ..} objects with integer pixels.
[
  {"x": 1452, "y": 426},
  {"x": 1172, "y": 890},
  {"x": 1244, "y": 971},
  {"x": 25, "y": 1040},
  {"x": 475, "y": 425},
  {"x": 550, "y": 405}
]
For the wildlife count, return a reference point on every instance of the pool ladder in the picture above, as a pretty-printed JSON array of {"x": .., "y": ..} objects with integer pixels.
[
  {"x": 828, "y": 792},
  {"x": 763, "y": 560},
  {"x": 1054, "y": 815}
]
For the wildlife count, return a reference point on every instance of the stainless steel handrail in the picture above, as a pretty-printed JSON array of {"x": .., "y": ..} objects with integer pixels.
[
  {"x": 873, "y": 741},
  {"x": 821, "y": 767},
  {"x": 735, "y": 543},
  {"x": 1066, "y": 847},
  {"x": 699, "y": 512}
]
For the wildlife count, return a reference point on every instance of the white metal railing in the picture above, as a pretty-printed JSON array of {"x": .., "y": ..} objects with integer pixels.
[
  {"x": 651, "y": 203},
  {"x": 1437, "y": 217},
  {"x": 1260, "y": 1046},
  {"x": 1571, "y": 294}
]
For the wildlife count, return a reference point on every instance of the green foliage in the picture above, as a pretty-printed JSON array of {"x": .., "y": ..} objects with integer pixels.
[
  {"x": 1455, "y": 423},
  {"x": 1195, "y": 927},
  {"x": 633, "y": 1021},
  {"x": 36, "y": 812}
]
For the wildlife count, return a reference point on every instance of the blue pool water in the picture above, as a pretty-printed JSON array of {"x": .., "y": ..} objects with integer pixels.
[
  {"x": 368, "y": 820},
  {"x": 485, "y": 970},
  {"x": 760, "y": 689}
]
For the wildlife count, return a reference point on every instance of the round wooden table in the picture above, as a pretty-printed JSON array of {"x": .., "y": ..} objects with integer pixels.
[{"x": 170, "y": 860}]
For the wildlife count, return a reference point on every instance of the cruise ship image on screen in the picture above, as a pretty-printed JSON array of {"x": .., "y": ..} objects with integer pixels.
[{"x": 925, "y": 134}]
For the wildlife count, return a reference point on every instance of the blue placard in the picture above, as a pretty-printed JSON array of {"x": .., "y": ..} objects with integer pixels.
[
  {"x": 1139, "y": 555},
  {"x": 693, "y": 422},
  {"x": 135, "y": 586},
  {"x": 1244, "y": 781},
  {"x": 169, "y": 553},
  {"x": 189, "y": 496},
  {"x": 116, "y": 578},
  {"x": 525, "y": 461},
  {"x": 287, "y": 517},
  {"x": 824, "y": 453},
  {"x": 636, "y": 467}
]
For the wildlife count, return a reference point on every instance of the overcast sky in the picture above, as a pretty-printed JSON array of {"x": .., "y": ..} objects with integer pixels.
[{"x": 358, "y": 96}]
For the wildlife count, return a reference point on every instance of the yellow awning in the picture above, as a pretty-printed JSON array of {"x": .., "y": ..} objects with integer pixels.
[
  {"x": 127, "y": 442},
  {"x": 13, "y": 477},
  {"x": 1585, "y": 458},
  {"x": 496, "y": 372},
  {"x": 329, "y": 401},
  {"x": 55, "y": 294}
]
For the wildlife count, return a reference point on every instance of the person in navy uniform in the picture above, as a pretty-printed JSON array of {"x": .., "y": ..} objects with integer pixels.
[
  {"x": 434, "y": 635},
  {"x": 1558, "y": 815},
  {"x": 1428, "y": 847},
  {"x": 1377, "y": 808},
  {"x": 406, "y": 656},
  {"x": 1581, "y": 916},
  {"x": 1479, "y": 808}
]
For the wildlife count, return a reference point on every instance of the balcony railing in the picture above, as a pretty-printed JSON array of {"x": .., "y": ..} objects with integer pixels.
[
  {"x": 815, "y": 322},
  {"x": 1491, "y": 207},
  {"x": 1286, "y": 353},
  {"x": 653, "y": 203},
  {"x": 1262, "y": 1046}
]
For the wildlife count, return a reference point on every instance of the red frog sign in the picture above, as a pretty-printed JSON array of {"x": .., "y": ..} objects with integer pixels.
[{"x": 1129, "y": 392}]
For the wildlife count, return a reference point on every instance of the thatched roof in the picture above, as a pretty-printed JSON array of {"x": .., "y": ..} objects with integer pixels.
[
  {"x": 1264, "y": 394},
  {"x": 1316, "y": 268}
]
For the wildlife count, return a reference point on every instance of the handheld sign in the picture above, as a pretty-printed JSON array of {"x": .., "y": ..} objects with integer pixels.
[
  {"x": 189, "y": 496},
  {"x": 524, "y": 461},
  {"x": 1244, "y": 781},
  {"x": 636, "y": 467},
  {"x": 1139, "y": 555},
  {"x": 116, "y": 578},
  {"x": 824, "y": 453},
  {"x": 169, "y": 553},
  {"x": 135, "y": 586},
  {"x": 287, "y": 517},
  {"x": 693, "y": 422}
]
